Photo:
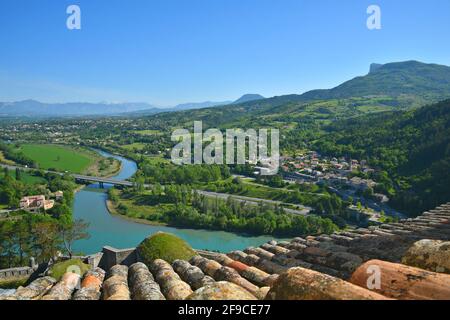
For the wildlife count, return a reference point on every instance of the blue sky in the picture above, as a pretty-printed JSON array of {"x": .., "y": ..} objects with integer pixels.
[{"x": 172, "y": 51}]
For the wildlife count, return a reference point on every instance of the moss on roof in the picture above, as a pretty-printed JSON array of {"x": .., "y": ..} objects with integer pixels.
[
  {"x": 164, "y": 246},
  {"x": 60, "y": 268}
]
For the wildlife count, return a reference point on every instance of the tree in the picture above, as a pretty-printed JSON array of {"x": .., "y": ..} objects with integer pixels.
[
  {"x": 18, "y": 174},
  {"x": 359, "y": 205},
  {"x": 71, "y": 231},
  {"x": 47, "y": 241}
]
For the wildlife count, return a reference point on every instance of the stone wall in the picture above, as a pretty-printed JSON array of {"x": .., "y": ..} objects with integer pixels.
[
  {"x": 112, "y": 256},
  {"x": 16, "y": 272}
]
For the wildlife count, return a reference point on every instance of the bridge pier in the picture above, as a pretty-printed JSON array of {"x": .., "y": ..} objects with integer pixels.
[{"x": 102, "y": 186}]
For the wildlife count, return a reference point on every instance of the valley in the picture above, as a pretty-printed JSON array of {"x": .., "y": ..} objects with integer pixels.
[{"x": 343, "y": 164}]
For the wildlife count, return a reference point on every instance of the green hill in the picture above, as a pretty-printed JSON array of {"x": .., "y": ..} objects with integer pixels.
[
  {"x": 408, "y": 81},
  {"x": 393, "y": 86}
]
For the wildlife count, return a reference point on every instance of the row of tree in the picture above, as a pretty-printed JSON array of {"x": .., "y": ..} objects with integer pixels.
[
  {"x": 194, "y": 210},
  {"x": 39, "y": 236},
  {"x": 167, "y": 173}
]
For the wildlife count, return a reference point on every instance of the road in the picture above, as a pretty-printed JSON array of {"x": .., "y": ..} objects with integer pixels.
[
  {"x": 378, "y": 207},
  {"x": 303, "y": 210}
]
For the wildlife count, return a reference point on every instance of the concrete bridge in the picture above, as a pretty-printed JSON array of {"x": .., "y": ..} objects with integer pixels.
[{"x": 102, "y": 181}]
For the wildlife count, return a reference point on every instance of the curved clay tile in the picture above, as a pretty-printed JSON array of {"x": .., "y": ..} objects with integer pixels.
[
  {"x": 275, "y": 249},
  {"x": 252, "y": 274},
  {"x": 91, "y": 285},
  {"x": 403, "y": 282},
  {"x": 221, "y": 291},
  {"x": 171, "y": 284},
  {"x": 116, "y": 285},
  {"x": 142, "y": 283},
  {"x": 305, "y": 284},
  {"x": 64, "y": 289},
  {"x": 260, "y": 253},
  {"x": 430, "y": 255},
  {"x": 209, "y": 267},
  {"x": 191, "y": 274},
  {"x": 35, "y": 289},
  {"x": 231, "y": 275}
]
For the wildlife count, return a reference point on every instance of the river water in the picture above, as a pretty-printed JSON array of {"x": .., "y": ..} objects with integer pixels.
[{"x": 108, "y": 230}]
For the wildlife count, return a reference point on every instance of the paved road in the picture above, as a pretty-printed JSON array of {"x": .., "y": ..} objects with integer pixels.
[
  {"x": 378, "y": 207},
  {"x": 302, "y": 210}
]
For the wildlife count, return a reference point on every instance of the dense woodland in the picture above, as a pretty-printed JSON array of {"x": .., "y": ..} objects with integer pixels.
[{"x": 411, "y": 148}]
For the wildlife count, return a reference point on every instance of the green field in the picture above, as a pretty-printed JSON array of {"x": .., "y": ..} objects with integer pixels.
[
  {"x": 134, "y": 146},
  {"x": 58, "y": 157},
  {"x": 26, "y": 177},
  {"x": 147, "y": 132},
  {"x": 156, "y": 160}
]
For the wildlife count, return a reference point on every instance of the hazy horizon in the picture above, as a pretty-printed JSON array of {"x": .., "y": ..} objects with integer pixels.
[{"x": 166, "y": 53}]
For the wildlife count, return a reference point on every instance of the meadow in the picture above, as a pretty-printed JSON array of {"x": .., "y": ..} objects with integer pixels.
[
  {"x": 59, "y": 157},
  {"x": 27, "y": 177}
]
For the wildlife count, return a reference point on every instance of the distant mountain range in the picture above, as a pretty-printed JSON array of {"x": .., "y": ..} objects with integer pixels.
[
  {"x": 33, "y": 108},
  {"x": 387, "y": 87},
  {"x": 405, "y": 84},
  {"x": 248, "y": 98}
]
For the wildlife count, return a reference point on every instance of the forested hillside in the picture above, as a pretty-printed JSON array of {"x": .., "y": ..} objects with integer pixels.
[{"x": 413, "y": 147}]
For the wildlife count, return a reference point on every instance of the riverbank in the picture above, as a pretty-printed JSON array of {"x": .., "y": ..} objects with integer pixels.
[
  {"x": 103, "y": 166},
  {"x": 118, "y": 231},
  {"x": 112, "y": 209}
]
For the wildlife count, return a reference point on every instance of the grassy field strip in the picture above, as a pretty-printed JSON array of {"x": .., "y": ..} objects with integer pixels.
[{"x": 58, "y": 157}]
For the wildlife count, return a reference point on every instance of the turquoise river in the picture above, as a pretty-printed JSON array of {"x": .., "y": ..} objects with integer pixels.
[{"x": 108, "y": 230}]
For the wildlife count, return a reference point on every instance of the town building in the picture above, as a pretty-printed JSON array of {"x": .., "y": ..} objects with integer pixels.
[
  {"x": 36, "y": 203},
  {"x": 59, "y": 195}
]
